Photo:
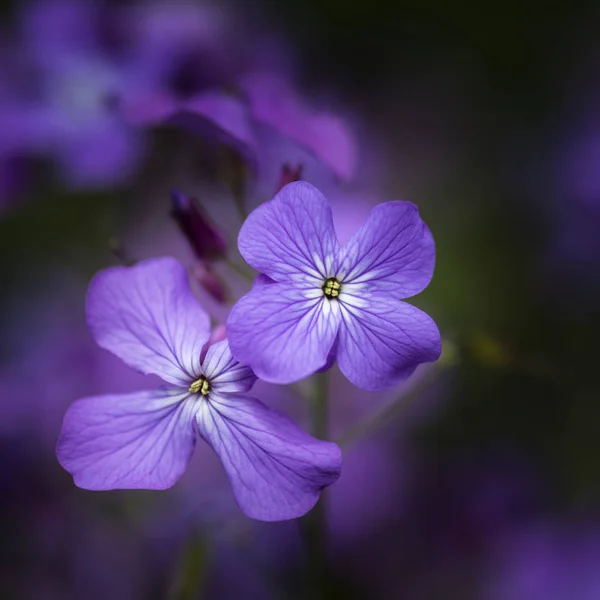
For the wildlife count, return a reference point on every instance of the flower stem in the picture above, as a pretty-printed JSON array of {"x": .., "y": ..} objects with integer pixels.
[
  {"x": 314, "y": 524},
  {"x": 189, "y": 578},
  {"x": 243, "y": 273},
  {"x": 320, "y": 408},
  {"x": 240, "y": 206},
  {"x": 390, "y": 410}
]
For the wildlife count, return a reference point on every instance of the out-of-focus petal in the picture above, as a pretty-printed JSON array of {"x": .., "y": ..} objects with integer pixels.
[
  {"x": 142, "y": 440},
  {"x": 276, "y": 470},
  {"x": 101, "y": 157},
  {"x": 147, "y": 316},
  {"x": 163, "y": 33},
  {"x": 226, "y": 375},
  {"x": 282, "y": 333},
  {"x": 57, "y": 27},
  {"x": 211, "y": 114},
  {"x": 393, "y": 252},
  {"x": 291, "y": 238},
  {"x": 383, "y": 340},
  {"x": 274, "y": 102},
  {"x": 226, "y": 112}
]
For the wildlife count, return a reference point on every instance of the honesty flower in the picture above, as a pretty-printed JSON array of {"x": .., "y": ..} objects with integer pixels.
[
  {"x": 273, "y": 100},
  {"x": 147, "y": 316},
  {"x": 327, "y": 300}
]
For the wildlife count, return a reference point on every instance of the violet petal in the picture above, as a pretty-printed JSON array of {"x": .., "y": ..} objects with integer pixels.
[
  {"x": 226, "y": 374},
  {"x": 276, "y": 470},
  {"x": 291, "y": 238},
  {"x": 383, "y": 340},
  {"x": 393, "y": 251},
  {"x": 141, "y": 440},
  {"x": 147, "y": 316},
  {"x": 283, "y": 333},
  {"x": 273, "y": 101}
]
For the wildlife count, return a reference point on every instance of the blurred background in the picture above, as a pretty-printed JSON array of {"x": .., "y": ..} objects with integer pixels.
[{"x": 476, "y": 480}]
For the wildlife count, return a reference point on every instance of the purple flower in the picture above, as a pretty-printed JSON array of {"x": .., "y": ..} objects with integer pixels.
[
  {"x": 147, "y": 316},
  {"x": 203, "y": 73},
  {"x": 546, "y": 561},
  {"x": 64, "y": 93},
  {"x": 273, "y": 101},
  {"x": 186, "y": 56},
  {"x": 328, "y": 300}
]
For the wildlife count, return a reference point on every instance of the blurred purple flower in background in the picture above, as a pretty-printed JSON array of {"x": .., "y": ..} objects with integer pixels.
[
  {"x": 187, "y": 56},
  {"x": 578, "y": 203},
  {"x": 201, "y": 72},
  {"x": 61, "y": 365},
  {"x": 547, "y": 562},
  {"x": 273, "y": 101},
  {"x": 65, "y": 99},
  {"x": 145, "y": 439},
  {"x": 331, "y": 301},
  {"x": 91, "y": 77}
]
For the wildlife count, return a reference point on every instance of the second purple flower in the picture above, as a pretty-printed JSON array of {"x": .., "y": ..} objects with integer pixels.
[{"x": 320, "y": 301}]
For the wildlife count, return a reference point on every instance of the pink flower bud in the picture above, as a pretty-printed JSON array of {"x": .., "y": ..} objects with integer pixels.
[
  {"x": 289, "y": 174},
  {"x": 210, "y": 282},
  {"x": 205, "y": 239}
]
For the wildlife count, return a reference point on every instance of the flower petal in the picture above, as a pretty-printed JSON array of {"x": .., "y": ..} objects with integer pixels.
[
  {"x": 100, "y": 157},
  {"x": 261, "y": 280},
  {"x": 58, "y": 27},
  {"x": 229, "y": 116},
  {"x": 393, "y": 251},
  {"x": 226, "y": 375},
  {"x": 291, "y": 238},
  {"x": 383, "y": 340},
  {"x": 274, "y": 101},
  {"x": 147, "y": 316},
  {"x": 276, "y": 470},
  {"x": 142, "y": 440},
  {"x": 210, "y": 114},
  {"x": 283, "y": 333}
]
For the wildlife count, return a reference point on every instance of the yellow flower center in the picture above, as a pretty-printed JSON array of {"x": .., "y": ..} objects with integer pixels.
[
  {"x": 331, "y": 288},
  {"x": 200, "y": 386}
]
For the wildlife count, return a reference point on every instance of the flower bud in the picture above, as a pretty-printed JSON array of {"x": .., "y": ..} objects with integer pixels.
[
  {"x": 210, "y": 282},
  {"x": 206, "y": 240},
  {"x": 289, "y": 174}
]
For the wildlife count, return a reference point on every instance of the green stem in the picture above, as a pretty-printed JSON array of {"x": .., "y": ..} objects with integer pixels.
[
  {"x": 243, "y": 273},
  {"x": 315, "y": 523},
  {"x": 320, "y": 410},
  {"x": 189, "y": 578},
  {"x": 239, "y": 205},
  {"x": 391, "y": 410}
]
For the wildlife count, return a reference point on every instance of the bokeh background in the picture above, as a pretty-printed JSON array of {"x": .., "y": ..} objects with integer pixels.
[{"x": 481, "y": 482}]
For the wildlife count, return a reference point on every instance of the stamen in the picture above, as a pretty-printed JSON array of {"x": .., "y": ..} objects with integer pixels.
[
  {"x": 332, "y": 288},
  {"x": 200, "y": 386}
]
